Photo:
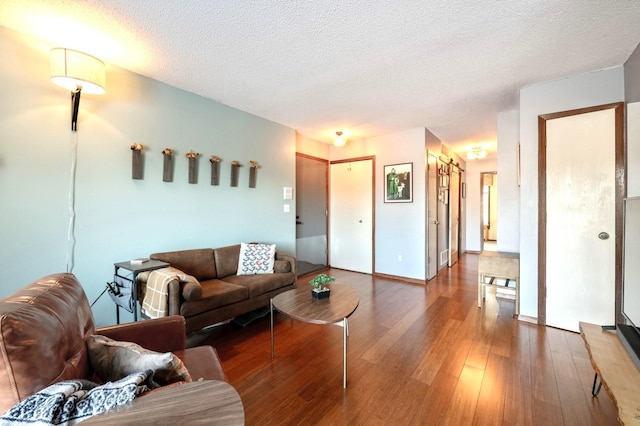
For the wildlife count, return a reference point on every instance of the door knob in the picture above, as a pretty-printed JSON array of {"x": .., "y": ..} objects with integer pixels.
[
  {"x": 603, "y": 236},
  {"x": 435, "y": 222}
]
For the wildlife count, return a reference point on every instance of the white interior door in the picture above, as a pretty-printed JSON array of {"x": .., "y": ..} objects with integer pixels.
[
  {"x": 443, "y": 214},
  {"x": 580, "y": 220},
  {"x": 351, "y": 216}
]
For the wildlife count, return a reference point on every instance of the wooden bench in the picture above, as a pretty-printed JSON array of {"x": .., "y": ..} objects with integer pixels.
[{"x": 496, "y": 265}]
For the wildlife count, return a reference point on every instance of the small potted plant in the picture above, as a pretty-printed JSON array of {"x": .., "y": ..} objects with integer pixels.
[{"x": 319, "y": 283}]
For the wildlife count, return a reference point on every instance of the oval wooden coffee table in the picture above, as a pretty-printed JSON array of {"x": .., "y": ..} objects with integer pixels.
[{"x": 300, "y": 305}]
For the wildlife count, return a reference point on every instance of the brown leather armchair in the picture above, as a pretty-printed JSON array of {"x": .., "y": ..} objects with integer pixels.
[{"x": 43, "y": 327}]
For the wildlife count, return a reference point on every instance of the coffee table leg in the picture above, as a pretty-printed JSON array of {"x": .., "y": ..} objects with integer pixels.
[
  {"x": 345, "y": 326},
  {"x": 271, "y": 309}
]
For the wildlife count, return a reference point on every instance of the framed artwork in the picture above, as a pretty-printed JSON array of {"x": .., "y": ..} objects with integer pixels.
[{"x": 398, "y": 183}]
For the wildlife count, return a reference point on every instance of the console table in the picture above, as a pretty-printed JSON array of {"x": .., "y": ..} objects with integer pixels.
[
  {"x": 210, "y": 402},
  {"x": 498, "y": 265},
  {"x": 616, "y": 370}
]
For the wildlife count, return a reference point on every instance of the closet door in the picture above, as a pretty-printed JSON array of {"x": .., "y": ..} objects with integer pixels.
[
  {"x": 579, "y": 159},
  {"x": 351, "y": 215}
]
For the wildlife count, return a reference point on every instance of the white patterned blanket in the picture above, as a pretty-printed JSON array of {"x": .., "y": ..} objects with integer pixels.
[{"x": 72, "y": 401}]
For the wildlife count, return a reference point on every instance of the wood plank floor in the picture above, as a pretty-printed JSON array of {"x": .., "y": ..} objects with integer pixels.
[{"x": 417, "y": 355}]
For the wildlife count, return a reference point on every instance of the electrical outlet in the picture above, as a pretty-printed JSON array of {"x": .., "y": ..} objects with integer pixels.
[{"x": 399, "y": 258}]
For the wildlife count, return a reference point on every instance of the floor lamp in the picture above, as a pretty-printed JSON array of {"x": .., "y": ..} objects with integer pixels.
[{"x": 78, "y": 72}]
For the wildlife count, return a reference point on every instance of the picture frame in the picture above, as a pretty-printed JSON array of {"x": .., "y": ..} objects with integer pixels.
[{"x": 398, "y": 183}]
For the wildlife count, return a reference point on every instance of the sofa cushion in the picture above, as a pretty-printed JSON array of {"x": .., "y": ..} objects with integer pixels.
[
  {"x": 226, "y": 260},
  {"x": 215, "y": 293},
  {"x": 112, "y": 360},
  {"x": 280, "y": 266},
  {"x": 258, "y": 285},
  {"x": 197, "y": 262},
  {"x": 256, "y": 259}
]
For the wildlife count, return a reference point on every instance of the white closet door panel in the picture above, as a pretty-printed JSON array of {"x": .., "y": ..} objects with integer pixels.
[
  {"x": 580, "y": 206},
  {"x": 351, "y": 224}
]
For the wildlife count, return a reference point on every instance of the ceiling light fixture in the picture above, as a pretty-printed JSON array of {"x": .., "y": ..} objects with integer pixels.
[
  {"x": 77, "y": 72},
  {"x": 340, "y": 140},
  {"x": 476, "y": 152}
]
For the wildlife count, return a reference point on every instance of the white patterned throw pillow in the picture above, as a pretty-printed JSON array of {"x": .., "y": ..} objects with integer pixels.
[{"x": 256, "y": 259}]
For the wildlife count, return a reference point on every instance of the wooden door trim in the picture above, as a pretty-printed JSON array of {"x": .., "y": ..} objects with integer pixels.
[
  {"x": 373, "y": 201},
  {"x": 326, "y": 198},
  {"x": 434, "y": 208},
  {"x": 620, "y": 190}
]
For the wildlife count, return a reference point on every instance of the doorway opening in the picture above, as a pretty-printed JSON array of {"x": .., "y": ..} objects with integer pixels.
[{"x": 489, "y": 201}]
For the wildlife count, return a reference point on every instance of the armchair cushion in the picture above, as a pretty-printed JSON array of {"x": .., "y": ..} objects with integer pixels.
[{"x": 112, "y": 360}]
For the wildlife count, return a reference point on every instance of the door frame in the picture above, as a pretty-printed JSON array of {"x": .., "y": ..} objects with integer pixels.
[
  {"x": 373, "y": 204},
  {"x": 326, "y": 198},
  {"x": 431, "y": 195},
  {"x": 620, "y": 189},
  {"x": 453, "y": 169}
]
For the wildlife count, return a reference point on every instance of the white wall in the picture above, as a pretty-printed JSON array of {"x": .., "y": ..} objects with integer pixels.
[
  {"x": 118, "y": 218},
  {"x": 400, "y": 227},
  {"x": 632, "y": 95},
  {"x": 508, "y": 190},
  {"x": 633, "y": 149},
  {"x": 596, "y": 88},
  {"x": 312, "y": 147}
]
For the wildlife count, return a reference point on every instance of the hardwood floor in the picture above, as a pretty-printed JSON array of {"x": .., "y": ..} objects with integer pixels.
[{"x": 417, "y": 355}]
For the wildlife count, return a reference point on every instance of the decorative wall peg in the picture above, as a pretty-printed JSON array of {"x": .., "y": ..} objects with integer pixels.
[
  {"x": 253, "y": 173},
  {"x": 235, "y": 169},
  {"x": 167, "y": 167},
  {"x": 215, "y": 169},
  {"x": 137, "y": 166},
  {"x": 193, "y": 166}
]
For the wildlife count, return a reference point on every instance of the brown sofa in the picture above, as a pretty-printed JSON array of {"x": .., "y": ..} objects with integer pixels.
[
  {"x": 221, "y": 294},
  {"x": 43, "y": 327}
]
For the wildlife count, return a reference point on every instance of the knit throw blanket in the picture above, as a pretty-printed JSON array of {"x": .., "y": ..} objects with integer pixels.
[
  {"x": 156, "y": 298},
  {"x": 72, "y": 401}
]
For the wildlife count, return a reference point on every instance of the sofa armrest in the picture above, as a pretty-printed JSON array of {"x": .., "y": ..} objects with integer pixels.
[
  {"x": 167, "y": 334},
  {"x": 290, "y": 259},
  {"x": 177, "y": 292}
]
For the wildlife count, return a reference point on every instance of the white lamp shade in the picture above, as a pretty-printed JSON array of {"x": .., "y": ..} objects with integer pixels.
[
  {"x": 72, "y": 69},
  {"x": 340, "y": 140}
]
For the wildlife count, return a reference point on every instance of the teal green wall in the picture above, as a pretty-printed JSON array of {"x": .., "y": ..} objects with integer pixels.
[{"x": 118, "y": 218}]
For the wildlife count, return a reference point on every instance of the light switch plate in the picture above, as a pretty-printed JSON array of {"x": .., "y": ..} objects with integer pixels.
[{"x": 287, "y": 193}]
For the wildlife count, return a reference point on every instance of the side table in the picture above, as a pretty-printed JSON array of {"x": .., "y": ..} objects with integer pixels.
[
  {"x": 135, "y": 269},
  {"x": 300, "y": 305}
]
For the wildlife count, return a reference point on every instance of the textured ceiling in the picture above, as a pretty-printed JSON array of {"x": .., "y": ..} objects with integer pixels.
[{"x": 365, "y": 67}]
